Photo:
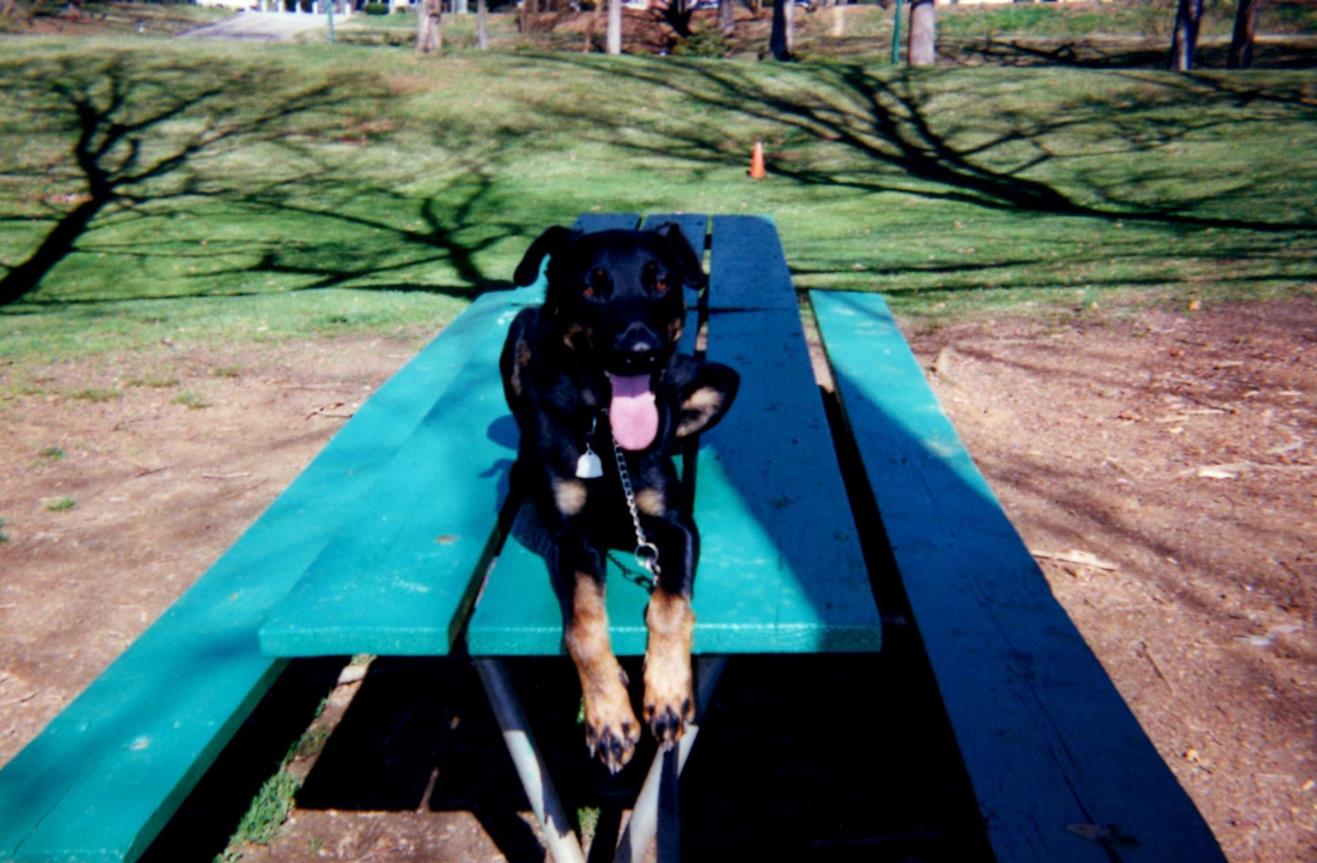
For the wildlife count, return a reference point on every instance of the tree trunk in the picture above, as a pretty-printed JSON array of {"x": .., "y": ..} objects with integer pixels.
[
  {"x": 727, "y": 16},
  {"x": 429, "y": 26},
  {"x": 1241, "y": 43},
  {"x": 1184, "y": 44},
  {"x": 482, "y": 24},
  {"x": 614, "y": 26},
  {"x": 922, "y": 49},
  {"x": 778, "y": 44}
]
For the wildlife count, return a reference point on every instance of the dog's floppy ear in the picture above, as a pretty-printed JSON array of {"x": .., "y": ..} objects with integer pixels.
[
  {"x": 549, "y": 243},
  {"x": 692, "y": 270}
]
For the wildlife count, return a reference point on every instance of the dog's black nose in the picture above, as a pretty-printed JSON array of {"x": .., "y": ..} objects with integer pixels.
[{"x": 637, "y": 348}]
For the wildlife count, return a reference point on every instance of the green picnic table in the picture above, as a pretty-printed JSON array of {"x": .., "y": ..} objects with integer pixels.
[{"x": 400, "y": 539}]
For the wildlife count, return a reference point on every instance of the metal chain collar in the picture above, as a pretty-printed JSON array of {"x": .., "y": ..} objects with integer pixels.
[{"x": 646, "y": 553}]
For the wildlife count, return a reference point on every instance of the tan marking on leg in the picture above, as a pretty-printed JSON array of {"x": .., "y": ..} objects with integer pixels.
[
  {"x": 669, "y": 694},
  {"x": 569, "y": 496},
  {"x": 574, "y": 330},
  {"x": 675, "y": 330},
  {"x": 650, "y": 501},
  {"x": 611, "y": 728},
  {"x": 698, "y": 408},
  {"x": 520, "y": 360}
]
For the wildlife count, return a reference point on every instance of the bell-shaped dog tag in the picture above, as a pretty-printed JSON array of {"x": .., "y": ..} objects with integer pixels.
[{"x": 588, "y": 466}]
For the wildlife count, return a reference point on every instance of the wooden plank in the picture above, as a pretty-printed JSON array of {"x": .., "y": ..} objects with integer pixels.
[
  {"x": 401, "y": 575},
  {"x": 781, "y": 569},
  {"x": 103, "y": 777},
  {"x": 1050, "y": 747},
  {"x": 748, "y": 265}
]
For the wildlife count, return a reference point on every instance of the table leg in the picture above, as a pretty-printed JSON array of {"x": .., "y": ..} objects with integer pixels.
[
  {"x": 558, "y": 832},
  {"x": 656, "y": 806}
]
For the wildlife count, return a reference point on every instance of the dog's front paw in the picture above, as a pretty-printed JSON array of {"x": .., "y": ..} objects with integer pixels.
[
  {"x": 611, "y": 729},
  {"x": 669, "y": 702}
]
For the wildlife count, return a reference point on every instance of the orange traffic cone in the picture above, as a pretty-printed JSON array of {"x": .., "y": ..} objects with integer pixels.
[{"x": 757, "y": 162}]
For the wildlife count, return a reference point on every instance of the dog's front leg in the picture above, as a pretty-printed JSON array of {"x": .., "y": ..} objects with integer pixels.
[
  {"x": 669, "y": 701},
  {"x": 611, "y": 728}
]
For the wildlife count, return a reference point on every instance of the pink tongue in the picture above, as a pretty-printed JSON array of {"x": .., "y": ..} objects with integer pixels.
[{"x": 633, "y": 413}]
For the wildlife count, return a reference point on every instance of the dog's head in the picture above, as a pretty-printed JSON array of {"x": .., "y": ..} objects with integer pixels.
[
  {"x": 616, "y": 300},
  {"x": 616, "y": 296}
]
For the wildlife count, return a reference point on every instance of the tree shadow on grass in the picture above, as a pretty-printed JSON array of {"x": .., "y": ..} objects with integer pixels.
[
  {"x": 157, "y": 140},
  {"x": 851, "y": 127},
  {"x": 137, "y": 130},
  {"x": 1101, "y": 52},
  {"x": 1110, "y": 178}
]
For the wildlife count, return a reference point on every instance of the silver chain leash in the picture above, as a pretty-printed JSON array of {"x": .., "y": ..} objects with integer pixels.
[{"x": 646, "y": 553}]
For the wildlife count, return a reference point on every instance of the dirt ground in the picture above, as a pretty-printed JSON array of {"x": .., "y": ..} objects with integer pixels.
[{"x": 1160, "y": 464}]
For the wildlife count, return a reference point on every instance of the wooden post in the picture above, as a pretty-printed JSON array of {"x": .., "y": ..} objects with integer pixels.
[{"x": 482, "y": 30}]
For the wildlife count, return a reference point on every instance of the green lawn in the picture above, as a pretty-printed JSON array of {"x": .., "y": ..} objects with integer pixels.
[{"x": 265, "y": 191}]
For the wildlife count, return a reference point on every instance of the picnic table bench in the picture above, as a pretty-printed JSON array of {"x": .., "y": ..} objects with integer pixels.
[{"x": 395, "y": 541}]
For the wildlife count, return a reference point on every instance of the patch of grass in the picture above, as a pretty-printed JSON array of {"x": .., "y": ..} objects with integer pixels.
[
  {"x": 51, "y": 453},
  {"x": 160, "y": 382},
  {"x": 61, "y": 504},
  {"x": 191, "y": 400},
  {"x": 231, "y": 372},
  {"x": 268, "y": 811},
  {"x": 588, "y": 819},
  {"x": 96, "y": 395},
  {"x": 270, "y": 808},
  {"x": 4, "y": 537}
]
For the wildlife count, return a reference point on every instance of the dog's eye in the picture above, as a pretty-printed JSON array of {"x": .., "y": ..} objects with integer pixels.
[
  {"x": 596, "y": 284},
  {"x": 654, "y": 279}
]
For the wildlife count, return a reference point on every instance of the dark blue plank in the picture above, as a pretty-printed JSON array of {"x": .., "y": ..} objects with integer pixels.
[
  {"x": 694, "y": 227},
  {"x": 1049, "y": 745},
  {"x": 748, "y": 265},
  {"x": 593, "y": 222}
]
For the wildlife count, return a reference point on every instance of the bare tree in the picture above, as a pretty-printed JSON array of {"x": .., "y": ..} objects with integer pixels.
[
  {"x": 923, "y": 33},
  {"x": 1184, "y": 43},
  {"x": 1241, "y": 42}
]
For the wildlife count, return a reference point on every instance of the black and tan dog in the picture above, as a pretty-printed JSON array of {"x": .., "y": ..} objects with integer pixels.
[{"x": 594, "y": 378}]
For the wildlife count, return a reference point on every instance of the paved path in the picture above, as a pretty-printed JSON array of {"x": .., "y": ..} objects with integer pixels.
[{"x": 258, "y": 27}]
